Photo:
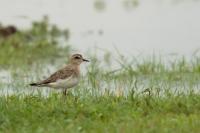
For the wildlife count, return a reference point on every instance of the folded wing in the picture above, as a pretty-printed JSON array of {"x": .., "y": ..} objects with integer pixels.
[{"x": 60, "y": 74}]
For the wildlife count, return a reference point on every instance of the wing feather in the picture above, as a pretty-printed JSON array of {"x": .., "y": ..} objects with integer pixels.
[{"x": 60, "y": 74}]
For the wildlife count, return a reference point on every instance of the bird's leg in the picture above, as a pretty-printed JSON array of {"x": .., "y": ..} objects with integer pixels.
[{"x": 65, "y": 92}]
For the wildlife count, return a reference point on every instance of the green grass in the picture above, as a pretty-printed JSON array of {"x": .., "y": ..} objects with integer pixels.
[
  {"x": 135, "y": 98},
  {"x": 141, "y": 96},
  {"x": 30, "y": 113},
  {"x": 29, "y": 55},
  {"x": 38, "y": 44}
]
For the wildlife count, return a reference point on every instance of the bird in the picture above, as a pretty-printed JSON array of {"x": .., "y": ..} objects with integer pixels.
[{"x": 65, "y": 78}]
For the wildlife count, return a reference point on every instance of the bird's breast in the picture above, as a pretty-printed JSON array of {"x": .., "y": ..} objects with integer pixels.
[{"x": 65, "y": 83}]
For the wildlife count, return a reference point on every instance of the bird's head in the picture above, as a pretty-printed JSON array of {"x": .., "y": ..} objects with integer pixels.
[{"x": 77, "y": 59}]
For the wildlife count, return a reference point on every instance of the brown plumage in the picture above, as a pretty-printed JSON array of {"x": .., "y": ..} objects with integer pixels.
[{"x": 60, "y": 74}]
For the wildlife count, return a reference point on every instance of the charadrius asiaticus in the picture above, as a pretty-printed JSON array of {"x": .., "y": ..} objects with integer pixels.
[{"x": 65, "y": 78}]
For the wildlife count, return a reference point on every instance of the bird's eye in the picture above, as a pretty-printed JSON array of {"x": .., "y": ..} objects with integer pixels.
[{"x": 77, "y": 57}]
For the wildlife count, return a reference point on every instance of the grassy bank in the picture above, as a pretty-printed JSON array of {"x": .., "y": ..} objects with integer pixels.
[
  {"x": 142, "y": 97},
  {"x": 100, "y": 114}
]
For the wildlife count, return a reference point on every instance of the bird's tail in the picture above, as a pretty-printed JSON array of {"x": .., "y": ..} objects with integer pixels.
[
  {"x": 33, "y": 84},
  {"x": 37, "y": 84}
]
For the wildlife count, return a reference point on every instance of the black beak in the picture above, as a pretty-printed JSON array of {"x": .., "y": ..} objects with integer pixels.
[{"x": 86, "y": 60}]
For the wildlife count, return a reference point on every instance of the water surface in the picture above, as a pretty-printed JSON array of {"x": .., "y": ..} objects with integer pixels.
[{"x": 154, "y": 26}]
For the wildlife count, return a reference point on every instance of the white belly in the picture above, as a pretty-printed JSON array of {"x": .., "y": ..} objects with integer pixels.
[{"x": 64, "y": 83}]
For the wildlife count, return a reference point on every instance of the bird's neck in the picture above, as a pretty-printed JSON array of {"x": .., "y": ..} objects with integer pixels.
[{"x": 76, "y": 69}]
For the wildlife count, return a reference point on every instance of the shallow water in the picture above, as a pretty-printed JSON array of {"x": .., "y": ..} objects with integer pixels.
[
  {"x": 18, "y": 83},
  {"x": 154, "y": 26}
]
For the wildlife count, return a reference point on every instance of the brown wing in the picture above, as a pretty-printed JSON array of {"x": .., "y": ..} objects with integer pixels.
[{"x": 60, "y": 74}]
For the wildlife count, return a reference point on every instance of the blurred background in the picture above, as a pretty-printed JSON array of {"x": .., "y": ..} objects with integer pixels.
[{"x": 133, "y": 27}]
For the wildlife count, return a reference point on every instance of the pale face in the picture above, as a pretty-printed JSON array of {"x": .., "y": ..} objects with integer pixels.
[{"x": 77, "y": 59}]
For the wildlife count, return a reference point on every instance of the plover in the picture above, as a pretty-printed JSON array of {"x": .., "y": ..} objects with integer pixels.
[{"x": 65, "y": 78}]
